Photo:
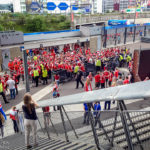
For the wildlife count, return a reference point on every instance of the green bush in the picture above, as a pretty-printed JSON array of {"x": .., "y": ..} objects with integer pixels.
[
  {"x": 1, "y": 28},
  {"x": 34, "y": 23}
]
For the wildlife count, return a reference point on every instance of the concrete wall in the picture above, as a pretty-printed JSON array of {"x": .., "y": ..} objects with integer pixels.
[
  {"x": 106, "y": 17},
  {"x": 93, "y": 44},
  {"x": 14, "y": 52}
]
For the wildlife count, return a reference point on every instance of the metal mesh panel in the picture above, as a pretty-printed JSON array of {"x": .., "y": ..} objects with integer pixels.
[
  {"x": 111, "y": 35},
  {"x": 120, "y": 32},
  {"x": 139, "y": 33},
  {"x": 130, "y": 34},
  {"x": 147, "y": 30}
]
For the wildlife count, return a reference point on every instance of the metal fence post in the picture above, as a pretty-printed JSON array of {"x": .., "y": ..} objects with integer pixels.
[
  {"x": 26, "y": 75},
  {"x": 125, "y": 126},
  {"x": 136, "y": 135},
  {"x": 105, "y": 37},
  {"x": 93, "y": 128},
  {"x": 125, "y": 35},
  {"x": 116, "y": 37},
  {"x": 53, "y": 125},
  {"x": 114, "y": 127},
  {"x": 63, "y": 121},
  {"x": 145, "y": 30},
  {"x": 70, "y": 122},
  {"x": 134, "y": 34}
]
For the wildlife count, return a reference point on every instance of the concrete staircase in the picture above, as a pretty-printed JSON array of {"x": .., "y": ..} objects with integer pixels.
[
  {"x": 141, "y": 122},
  {"x": 17, "y": 142}
]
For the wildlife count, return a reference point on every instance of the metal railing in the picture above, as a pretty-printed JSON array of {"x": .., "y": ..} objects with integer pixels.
[
  {"x": 109, "y": 129},
  {"x": 116, "y": 36}
]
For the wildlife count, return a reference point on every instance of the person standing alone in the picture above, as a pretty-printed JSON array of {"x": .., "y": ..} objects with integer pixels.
[
  {"x": 30, "y": 119},
  {"x": 11, "y": 84}
]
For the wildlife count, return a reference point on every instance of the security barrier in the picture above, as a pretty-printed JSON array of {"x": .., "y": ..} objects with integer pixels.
[
  {"x": 116, "y": 35},
  {"x": 70, "y": 126}
]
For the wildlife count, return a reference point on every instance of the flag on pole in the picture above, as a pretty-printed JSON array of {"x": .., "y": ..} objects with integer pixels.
[
  {"x": 72, "y": 17},
  {"x": 137, "y": 14}
]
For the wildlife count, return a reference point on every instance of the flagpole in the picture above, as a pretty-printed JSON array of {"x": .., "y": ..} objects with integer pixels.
[{"x": 135, "y": 11}]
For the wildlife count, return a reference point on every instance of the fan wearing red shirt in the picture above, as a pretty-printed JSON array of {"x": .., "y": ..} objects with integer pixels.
[
  {"x": 126, "y": 81},
  {"x": 110, "y": 78},
  {"x": 6, "y": 76},
  {"x": 97, "y": 80},
  {"x": 57, "y": 77},
  {"x": 102, "y": 81},
  {"x": 106, "y": 75},
  {"x": 116, "y": 73}
]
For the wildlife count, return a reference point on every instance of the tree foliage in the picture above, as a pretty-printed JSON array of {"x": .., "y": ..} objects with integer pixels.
[{"x": 33, "y": 23}]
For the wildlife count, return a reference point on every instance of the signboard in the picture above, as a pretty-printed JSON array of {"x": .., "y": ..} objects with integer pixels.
[
  {"x": 63, "y": 6},
  {"x": 74, "y": 7},
  {"x": 117, "y": 22},
  {"x": 132, "y": 10},
  {"x": 51, "y": 6},
  {"x": 35, "y": 6},
  {"x": 88, "y": 9}
]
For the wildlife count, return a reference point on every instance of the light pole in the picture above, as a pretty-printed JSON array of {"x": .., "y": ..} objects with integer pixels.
[
  {"x": 71, "y": 15},
  {"x": 92, "y": 7},
  {"x": 80, "y": 13},
  {"x": 135, "y": 11},
  {"x": 26, "y": 75}
]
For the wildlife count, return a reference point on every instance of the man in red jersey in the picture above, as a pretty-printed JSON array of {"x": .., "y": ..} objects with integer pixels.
[
  {"x": 97, "y": 80},
  {"x": 126, "y": 81}
]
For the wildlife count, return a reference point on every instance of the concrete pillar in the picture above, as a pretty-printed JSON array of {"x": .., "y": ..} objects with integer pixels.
[
  {"x": 15, "y": 52},
  {"x": 99, "y": 43},
  {"x": 93, "y": 44}
]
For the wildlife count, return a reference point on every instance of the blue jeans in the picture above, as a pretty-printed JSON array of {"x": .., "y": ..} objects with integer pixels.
[
  {"x": 12, "y": 93},
  {"x": 107, "y": 105}
]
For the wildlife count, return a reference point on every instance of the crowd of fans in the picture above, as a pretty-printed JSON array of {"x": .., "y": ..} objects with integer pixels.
[
  {"x": 73, "y": 64},
  {"x": 100, "y": 68}
]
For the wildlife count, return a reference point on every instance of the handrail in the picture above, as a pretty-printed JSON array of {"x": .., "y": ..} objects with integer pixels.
[
  {"x": 50, "y": 32},
  {"x": 139, "y": 90}
]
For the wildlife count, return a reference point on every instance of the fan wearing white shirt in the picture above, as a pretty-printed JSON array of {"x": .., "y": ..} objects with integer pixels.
[{"x": 11, "y": 85}]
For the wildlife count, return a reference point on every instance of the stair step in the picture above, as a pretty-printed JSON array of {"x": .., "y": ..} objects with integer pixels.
[
  {"x": 67, "y": 147},
  {"x": 77, "y": 147}
]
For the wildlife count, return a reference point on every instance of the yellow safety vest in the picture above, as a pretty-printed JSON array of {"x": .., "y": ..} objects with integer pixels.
[
  {"x": 1, "y": 88},
  {"x": 76, "y": 69},
  {"x": 121, "y": 58},
  {"x": 98, "y": 63},
  {"x": 35, "y": 73},
  {"x": 35, "y": 58},
  {"x": 44, "y": 73},
  {"x": 42, "y": 66},
  {"x": 128, "y": 58}
]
